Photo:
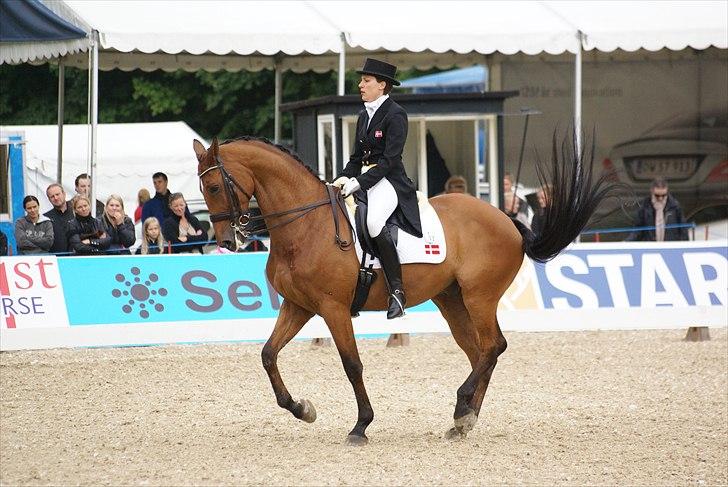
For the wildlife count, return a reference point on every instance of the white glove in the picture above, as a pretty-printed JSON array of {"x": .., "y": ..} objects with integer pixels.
[
  {"x": 340, "y": 182},
  {"x": 350, "y": 186}
]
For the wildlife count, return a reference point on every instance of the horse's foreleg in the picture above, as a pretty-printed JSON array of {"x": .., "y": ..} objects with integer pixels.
[
  {"x": 339, "y": 322},
  {"x": 290, "y": 321}
]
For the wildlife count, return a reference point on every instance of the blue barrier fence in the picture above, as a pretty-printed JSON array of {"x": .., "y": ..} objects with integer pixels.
[
  {"x": 635, "y": 229},
  {"x": 596, "y": 232}
]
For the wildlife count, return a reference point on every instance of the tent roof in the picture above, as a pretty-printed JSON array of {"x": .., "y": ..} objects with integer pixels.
[
  {"x": 30, "y": 20},
  {"x": 31, "y": 31},
  {"x": 474, "y": 75},
  {"x": 301, "y": 36}
]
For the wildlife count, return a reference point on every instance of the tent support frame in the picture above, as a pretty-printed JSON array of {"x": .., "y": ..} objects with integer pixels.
[{"x": 61, "y": 116}]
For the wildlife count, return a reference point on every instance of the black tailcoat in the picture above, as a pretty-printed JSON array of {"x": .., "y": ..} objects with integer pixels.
[{"x": 382, "y": 144}]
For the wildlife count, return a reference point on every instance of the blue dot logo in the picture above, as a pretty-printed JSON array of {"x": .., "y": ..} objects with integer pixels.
[{"x": 142, "y": 295}]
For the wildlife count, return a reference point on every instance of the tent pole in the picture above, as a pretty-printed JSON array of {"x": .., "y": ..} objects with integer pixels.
[
  {"x": 577, "y": 93},
  {"x": 61, "y": 116},
  {"x": 94, "y": 115},
  {"x": 342, "y": 65},
  {"x": 277, "y": 103},
  {"x": 577, "y": 108}
]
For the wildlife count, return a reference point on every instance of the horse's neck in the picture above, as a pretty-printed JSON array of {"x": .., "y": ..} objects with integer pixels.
[{"x": 283, "y": 185}]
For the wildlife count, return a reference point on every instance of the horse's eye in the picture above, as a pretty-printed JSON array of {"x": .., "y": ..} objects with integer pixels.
[{"x": 213, "y": 189}]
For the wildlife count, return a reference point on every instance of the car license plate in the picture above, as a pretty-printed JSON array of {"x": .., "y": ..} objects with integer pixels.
[{"x": 668, "y": 167}]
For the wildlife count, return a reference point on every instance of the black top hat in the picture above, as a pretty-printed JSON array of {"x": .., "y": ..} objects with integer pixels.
[{"x": 380, "y": 69}]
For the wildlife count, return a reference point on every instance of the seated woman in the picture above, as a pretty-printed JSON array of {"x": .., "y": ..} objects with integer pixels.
[
  {"x": 33, "y": 232},
  {"x": 86, "y": 235},
  {"x": 117, "y": 226},
  {"x": 152, "y": 239},
  {"x": 182, "y": 230}
]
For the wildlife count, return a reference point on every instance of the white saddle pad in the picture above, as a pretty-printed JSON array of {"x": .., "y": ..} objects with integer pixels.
[{"x": 430, "y": 249}]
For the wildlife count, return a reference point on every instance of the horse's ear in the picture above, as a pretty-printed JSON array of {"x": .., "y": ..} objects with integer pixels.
[
  {"x": 200, "y": 150},
  {"x": 215, "y": 148}
]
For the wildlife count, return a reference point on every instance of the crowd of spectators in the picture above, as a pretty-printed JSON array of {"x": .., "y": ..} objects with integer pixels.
[
  {"x": 167, "y": 226},
  {"x": 71, "y": 227},
  {"x": 659, "y": 216}
]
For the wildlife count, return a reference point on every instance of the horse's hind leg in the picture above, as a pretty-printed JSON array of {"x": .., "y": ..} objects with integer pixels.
[
  {"x": 290, "y": 321},
  {"x": 338, "y": 320},
  {"x": 470, "y": 394},
  {"x": 477, "y": 400},
  {"x": 451, "y": 305}
]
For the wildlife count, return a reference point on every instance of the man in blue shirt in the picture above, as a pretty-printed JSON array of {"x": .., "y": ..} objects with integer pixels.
[{"x": 159, "y": 205}]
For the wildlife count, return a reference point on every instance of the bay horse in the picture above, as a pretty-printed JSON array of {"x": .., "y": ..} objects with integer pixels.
[{"x": 315, "y": 269}]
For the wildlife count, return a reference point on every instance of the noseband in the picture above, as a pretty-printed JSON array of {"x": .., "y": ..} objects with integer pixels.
[{"x": 239, "y": 219}]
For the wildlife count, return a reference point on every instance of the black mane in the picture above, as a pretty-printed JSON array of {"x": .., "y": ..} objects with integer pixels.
[{"x": 285, "y": 150}]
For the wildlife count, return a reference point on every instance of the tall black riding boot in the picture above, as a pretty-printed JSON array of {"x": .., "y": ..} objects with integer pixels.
[{"x": 392, "y": 273}]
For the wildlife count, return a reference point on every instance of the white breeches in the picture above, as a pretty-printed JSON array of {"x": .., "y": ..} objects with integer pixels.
[{"x": 383, "y": 201}]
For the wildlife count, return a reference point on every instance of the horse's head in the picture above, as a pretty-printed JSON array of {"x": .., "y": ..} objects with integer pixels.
[{"x": 227, "y": 187}]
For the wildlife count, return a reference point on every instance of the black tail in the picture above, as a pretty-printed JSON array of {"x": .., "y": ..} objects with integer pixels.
[{"x": 573, "y": 196}]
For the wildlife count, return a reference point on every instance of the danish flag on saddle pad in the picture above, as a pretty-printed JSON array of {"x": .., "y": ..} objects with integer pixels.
[{"x": 431, "y": 248}]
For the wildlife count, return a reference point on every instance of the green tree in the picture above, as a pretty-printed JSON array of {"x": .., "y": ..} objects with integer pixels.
[{"x": 221, "y": 104}]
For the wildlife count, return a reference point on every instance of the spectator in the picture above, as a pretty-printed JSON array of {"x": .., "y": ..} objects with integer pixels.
[
  {"x": 181, "y": 228},
  {"x": 159, "y": 205},
  {"x": 86, "y": 235},
  {"x": 152, "y": 239},
  {"x": 659, "y": 210},
  {"x": 83, "y": 187},
  {"x": 142, "y": 197},
  {"x": 33, "y": 232},
  {"x": 3, "y": 243},
  {"x": 515, "y": 207},
  {"x": 61, "y": 216},
  {"x": 539, "y": 214},
  {"x": 455, "y": 184},
  {"x": 118, "y": 226}
]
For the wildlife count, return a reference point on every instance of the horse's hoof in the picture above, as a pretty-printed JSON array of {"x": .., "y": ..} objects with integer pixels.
[
  {"x": 467, "y": 422},
  {"x": 454, "y": 434},
  {"x": 309, "y": 412},
  {"x": 355, "y": 440}
]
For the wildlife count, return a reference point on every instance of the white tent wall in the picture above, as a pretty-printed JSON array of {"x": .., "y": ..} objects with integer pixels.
[{"x": 129, "y": 153}]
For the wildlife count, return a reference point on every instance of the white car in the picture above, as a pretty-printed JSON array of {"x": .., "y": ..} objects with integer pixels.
[{"x": 689, "y": 150}]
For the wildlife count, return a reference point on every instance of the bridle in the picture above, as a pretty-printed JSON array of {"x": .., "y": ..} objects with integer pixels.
[{"x": 239, "y": 219}]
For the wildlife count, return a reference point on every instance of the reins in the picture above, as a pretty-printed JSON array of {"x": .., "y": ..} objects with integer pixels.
[{"x": 239, "y": 219}]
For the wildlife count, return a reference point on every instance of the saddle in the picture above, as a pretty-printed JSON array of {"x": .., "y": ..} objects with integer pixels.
[{"x": 429, "y": 249}]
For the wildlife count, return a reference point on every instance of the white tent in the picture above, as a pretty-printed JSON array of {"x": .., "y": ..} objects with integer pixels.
[
  {"x": 326, "y": 35},
  {"x": 307, "y": 35},
  {"x": 129, "y": 153}
]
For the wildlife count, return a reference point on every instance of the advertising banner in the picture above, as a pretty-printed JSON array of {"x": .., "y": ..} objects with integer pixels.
[
  {"x": 132, "y": 300},
  {"x": 591, "y": 276},
  {"x": 31, "y": 293}
]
